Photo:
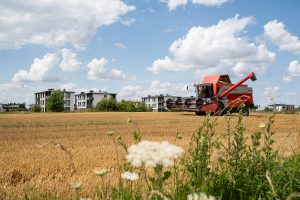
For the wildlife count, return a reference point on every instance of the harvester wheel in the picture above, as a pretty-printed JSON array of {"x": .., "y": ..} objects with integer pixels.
[
  {"x": 198, "y": 113},
  {"x": 245, "y": 111},
  {"x": 220, "y": 109}
]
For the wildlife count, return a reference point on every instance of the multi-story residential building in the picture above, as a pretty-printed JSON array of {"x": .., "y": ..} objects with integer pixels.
[
  {"x": 281, "y": 107},
  {"x": 158, "y": 102},
  {"x": 41, "y": 98},
  {"x": 90, "y": 99}
]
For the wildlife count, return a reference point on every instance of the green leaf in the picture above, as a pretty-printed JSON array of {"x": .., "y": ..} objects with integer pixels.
[{"x": 167, "y": 175}]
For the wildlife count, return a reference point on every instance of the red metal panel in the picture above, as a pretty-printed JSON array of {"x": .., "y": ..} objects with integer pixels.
[{"x": 211, "y": 79}]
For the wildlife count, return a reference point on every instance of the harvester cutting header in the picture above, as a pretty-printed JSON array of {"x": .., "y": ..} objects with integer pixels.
[{"x": 216, "y": 94}]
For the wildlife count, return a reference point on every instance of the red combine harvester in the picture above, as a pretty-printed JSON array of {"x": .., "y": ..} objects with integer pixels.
[{"x": 216, "y": 94}]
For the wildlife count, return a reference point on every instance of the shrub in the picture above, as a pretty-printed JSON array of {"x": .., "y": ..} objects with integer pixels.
[
  {"x": 123, "y": 106},
  {"x": 127, "y": 106},
  {"x": 36, "y": 108},
  {"x": 107, "y": 105}
]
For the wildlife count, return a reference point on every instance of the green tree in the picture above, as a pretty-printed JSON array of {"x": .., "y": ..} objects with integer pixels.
[
  {"x": 143, "y": 108},
  {"x": 55, "y": 102},
  {"x": 107, "y": 105},
  {"x": 267, "y": 109},
  {"x": 36, "y": 108},
  {"x": 127, "y": 106}
]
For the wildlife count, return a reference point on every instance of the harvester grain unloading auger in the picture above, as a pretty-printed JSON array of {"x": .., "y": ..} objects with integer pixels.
[{"x": 216, "y": 94}]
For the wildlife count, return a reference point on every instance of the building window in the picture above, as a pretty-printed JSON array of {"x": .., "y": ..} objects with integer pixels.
[
  {"x": 67, "y": 102},
  {"x": 67, "y": 95},
  {"x": 79, "y": 104},
  {"x": 67, "y": 108},
  {"x": 153, "y": 105},
  {"x": 83, "y": 104}
]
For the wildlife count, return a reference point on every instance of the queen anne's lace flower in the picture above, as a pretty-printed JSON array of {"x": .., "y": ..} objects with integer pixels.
[
  {"x": 100, "y": 171},
  {"x": 130, "y": 176},
  {"x": 199, "y": 196},
  {"x": 76, "y": 185},
  {"x": 152, "y": 154}
]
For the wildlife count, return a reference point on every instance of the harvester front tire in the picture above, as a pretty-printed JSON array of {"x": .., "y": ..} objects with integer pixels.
[
  {"x": 245, "y": 112},
  {"x": 220, "y": 109}
]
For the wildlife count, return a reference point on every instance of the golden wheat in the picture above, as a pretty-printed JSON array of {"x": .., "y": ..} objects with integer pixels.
[{"x": 47, "y": 151}]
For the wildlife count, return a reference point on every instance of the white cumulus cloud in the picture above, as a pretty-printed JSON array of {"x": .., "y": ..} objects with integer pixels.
[
  {"x": 128, "y": 21},
  {"x": 69, "y": 61},
  {"x": 65, "y": 59},
  {"x": 39, "y": 69},
  {"x": 220, "y": 47},
  {"x": 56, "y": 23},
  {"x": 275, "y": 32},
  {"x": 293, "y": 70},
  {"x": 68, "y": 86},
  {"x": 133, "y": 92},
  {"x": 210, "y": 2},
  {"x": 173, "y": 4},
  {"x": 155, "y": 88},
  {"x": 271, "y": 93},
  {"x": 97, "y": 71}
]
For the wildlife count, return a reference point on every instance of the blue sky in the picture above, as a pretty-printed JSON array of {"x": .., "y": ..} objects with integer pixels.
[{"x": 136, "y": 48}]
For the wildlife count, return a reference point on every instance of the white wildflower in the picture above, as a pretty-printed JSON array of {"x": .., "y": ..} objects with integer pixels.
[
  {"x": 76, "y": 185},
  {"x": 261, "y": 125},
  {"x": 152, "y": 154},
  {"x": 199, "y": 196},
  {"x": 85, "y": 198},
  {"x": 100, "y": 171},
  {"x": 130, "y": 176},
  {"x": 110, "y": 133}
]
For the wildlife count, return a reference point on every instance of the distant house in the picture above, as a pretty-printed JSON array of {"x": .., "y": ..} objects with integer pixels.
[
  {"x": 90, "y": 99},
  {"x": 10, "y": 107},
  {"x": 41, "y": 98},
  {"x": 281, "y": 107},
  {"x": 158, "y": 102}
]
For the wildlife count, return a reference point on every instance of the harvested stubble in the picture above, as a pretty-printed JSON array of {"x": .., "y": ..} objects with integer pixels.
[{"x": 31, "y": 159}]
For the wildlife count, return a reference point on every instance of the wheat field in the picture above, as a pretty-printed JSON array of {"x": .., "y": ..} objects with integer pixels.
[{"x": 39, "y": 151}]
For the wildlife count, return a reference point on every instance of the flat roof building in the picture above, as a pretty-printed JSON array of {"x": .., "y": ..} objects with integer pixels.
[
  {"x": 41, "y": 99},
  {"x": 90, "y": 99}
]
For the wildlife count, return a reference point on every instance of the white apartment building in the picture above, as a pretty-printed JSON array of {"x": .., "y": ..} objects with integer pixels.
[
  {"x": 158, "y": 102},
  {"x": 281, "y": 107},
  {"x": 41, "y": 98},
  {"x": 90, "y": 99}
]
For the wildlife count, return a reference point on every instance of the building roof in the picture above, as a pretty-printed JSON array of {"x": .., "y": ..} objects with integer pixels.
[
  {"x": 50, "y": 90},
  {"x": 93, "y": 92},
  {"x": 280, "y": 104},
  {"x": 161, "y": 95}
]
